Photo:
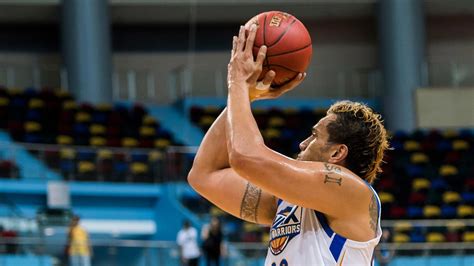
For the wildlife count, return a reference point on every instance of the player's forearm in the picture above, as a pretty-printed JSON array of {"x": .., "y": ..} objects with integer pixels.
[
  {"x": 243, "y": 135},
  {"x": 212, "y": 153}
]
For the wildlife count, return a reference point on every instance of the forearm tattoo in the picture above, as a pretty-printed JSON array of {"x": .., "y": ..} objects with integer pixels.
[
  {"x": 250, "y": 202},
  {"x": 373, "y": 212},
  {"x": 332, "y": 169}
]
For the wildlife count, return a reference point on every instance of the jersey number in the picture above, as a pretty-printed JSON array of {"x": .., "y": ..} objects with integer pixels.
[{"x": 283, "y": 262}]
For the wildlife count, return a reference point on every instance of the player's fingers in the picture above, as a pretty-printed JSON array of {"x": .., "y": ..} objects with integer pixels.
[
  {"x": 268, "y": 78},
  {"x": 234, "y": 45},
  {"x": 262, "y": 52},
  {"x": 293, "y": 83},
  {"x": 251, "y": 38},
  {"x": 241, "y": 39}
]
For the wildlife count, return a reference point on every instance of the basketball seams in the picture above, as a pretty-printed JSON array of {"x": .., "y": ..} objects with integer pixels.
[
  {"x": 282, "y": 34},
  {"x": 292, "y": 51},
  {"x": 264, "y": 41},
  {"x": 264, "y": 27}
]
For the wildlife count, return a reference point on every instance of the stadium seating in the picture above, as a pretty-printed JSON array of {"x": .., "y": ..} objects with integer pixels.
[{"x": 54, "y": 117}]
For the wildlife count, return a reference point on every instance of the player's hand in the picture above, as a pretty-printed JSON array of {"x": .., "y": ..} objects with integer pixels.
[
  {"x": 242, "y": 68},
  {"x": 263, "y": 89}
]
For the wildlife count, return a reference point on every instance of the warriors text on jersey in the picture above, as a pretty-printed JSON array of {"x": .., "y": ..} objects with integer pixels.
[{"x": 302, "y": 237}]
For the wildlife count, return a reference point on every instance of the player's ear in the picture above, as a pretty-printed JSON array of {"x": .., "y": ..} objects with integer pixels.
[{"x": 338, "y": 154}]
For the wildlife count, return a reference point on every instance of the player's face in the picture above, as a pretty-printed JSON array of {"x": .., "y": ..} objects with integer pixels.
[{"x": 316, "y": 147}]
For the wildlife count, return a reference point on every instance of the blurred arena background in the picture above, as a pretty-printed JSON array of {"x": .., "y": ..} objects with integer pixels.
[{"x": 103, "y": 104}]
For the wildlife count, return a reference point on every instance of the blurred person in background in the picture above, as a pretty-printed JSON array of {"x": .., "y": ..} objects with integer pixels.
[
  {"x": 384, "y": 255},
  {"x": 187, "y": 240},
  {"x": 2, "y": 240},
  {"x": 78, "y": 248},
  {"x": 8, "y": 241},
  {"x": 211, "y": 236}
]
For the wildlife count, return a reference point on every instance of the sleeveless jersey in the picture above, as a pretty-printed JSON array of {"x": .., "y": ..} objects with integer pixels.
[{"x": 302, "y": 237}]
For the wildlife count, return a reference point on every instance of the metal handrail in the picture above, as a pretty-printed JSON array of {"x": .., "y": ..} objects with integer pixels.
[
  {"x": 131, "y": 243},
  {"x": 49, "y": 147}
]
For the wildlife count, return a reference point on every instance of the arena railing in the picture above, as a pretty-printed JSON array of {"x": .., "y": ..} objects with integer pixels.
[
  {"x": 162, "y": 165},
  {"x": 163, "y": 253}
]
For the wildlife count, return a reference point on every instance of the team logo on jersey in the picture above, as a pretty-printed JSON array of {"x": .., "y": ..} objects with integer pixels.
[{"x": 286, "y": 226}]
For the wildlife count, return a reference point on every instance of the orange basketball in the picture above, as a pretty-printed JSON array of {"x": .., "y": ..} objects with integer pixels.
[{"x": 288, "y": 42}]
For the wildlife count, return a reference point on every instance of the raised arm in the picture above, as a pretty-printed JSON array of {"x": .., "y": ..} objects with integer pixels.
[
  {"x": 320, "y": 186},
  {"x": 212, "y": 177}
]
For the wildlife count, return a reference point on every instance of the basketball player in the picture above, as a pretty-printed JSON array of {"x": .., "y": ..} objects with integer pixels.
[{"x": 321, "y": 207}]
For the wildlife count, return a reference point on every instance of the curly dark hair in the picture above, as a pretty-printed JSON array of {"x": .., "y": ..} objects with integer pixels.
[{"x": 361, "y": 130}]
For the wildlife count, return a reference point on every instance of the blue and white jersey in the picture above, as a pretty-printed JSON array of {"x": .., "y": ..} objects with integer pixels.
[{"x": 302, "y": 237}]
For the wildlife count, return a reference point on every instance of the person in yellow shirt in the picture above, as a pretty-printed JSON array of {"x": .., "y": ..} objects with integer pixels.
[{"x": 78, "y": 250}]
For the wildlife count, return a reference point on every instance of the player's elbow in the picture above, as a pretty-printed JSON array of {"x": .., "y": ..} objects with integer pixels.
[
  {"x": 241, "y": 162},
  {"x": 194, "y": 179},
  {"x": 236, "y": 159}
]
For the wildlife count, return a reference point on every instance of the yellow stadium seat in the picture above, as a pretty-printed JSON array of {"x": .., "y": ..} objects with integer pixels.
[
  {"x": 450, "y": 133},
  {"x": 15, "y": 91},
  {"x": 451, "y": 197},
  {"x": 154, "y": 156},
  {"x": 206, "y": 120},
  {"x": 97, "y": 141},
  {"x": 447, "y": 170},
  {"x": 69, "y": 105},
  {"x": 129, "y": 142},
  {"x": 431, "y": 211},
  {"x": 139, "y": 168},
  {"x": 460, "y": 145},
  {"x": 401, "y": 238},
  {"x": 215, "y": 211},
  {"x": 468, "y": 236},
  {"x": 86, "y": 167},
  {"x": 211, "y": 109},
  {"x": 67, "y": 153},
  {"x": 83, "y": 117},
  {"x": 259, "y": 111},
  {"x": 290, "y": 110},
  {"x": 434, "y": 237},
  {"x": 4, "y": 101},
  {"x": 402, "y": 226},
  {"x": 271, "y": 133},
  {"x": 162, "y": 143},
  {"x": 147, "y": 131},
  {"x": 62, "y": 93},
  {"x": 386, "y": 197},
  {"x": 148, "y": 120},
  {"x": 265, "y": 237},
  {"x": 276, "y": 121},
  {"x": 411, "y": 145},
  {"x": 420, "y": 183},
  {"x": 31, "y": 126},
  {"x": 64, "y": 140},
  {"x": 251, "y": 227},
  {"x": 104, "y": 107},
  {"x": 455, "y": 225},
  {"x": 465, "y": 210},
  {"x": 104, "y": 154},
  {"x": 35, "y": 103},
  {"x": 419, "y": 157},
  {"x": 97, "y": 129}
]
